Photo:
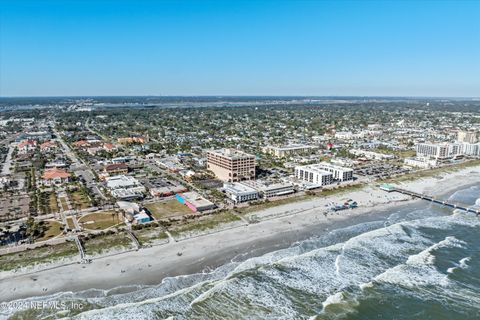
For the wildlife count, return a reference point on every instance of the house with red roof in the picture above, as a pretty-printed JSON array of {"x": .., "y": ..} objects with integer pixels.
[
  {"x": 55, "y": 176},
  {"x": 48, "y": 146},
  {"x": 80, "y": 144},
  {"x": 26, "y": 146}
]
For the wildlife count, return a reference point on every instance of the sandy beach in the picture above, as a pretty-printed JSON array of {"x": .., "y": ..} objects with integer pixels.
[{"x": 279, "y": 227}]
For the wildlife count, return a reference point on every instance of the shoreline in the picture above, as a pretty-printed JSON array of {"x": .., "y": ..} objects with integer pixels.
[{"x": 150, "y": 266}]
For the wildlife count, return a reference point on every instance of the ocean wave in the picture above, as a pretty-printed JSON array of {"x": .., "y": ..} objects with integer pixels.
[{"x": 320, "y": 276}]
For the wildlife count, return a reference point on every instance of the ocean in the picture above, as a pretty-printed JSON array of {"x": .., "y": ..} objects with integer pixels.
[{"x": 417, "y": 262}]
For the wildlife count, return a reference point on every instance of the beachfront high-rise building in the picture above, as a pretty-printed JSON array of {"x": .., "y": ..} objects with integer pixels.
[
  {"x": 313, "y": 174},
  {"x": 438, "y": 150},
  {"x": 231, "y": 165},
  {"x": 467, "y": 136},
  {"x": 323, "y": 173},
  {"x": 471, "y": 149}
]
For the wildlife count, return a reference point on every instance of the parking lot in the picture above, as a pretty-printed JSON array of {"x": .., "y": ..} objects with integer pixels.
[{"x": 379, "y": 170}]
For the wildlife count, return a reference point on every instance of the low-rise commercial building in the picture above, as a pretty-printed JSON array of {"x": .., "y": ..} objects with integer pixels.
[
  {"x": 371, "y": 154},
  {"x": 268, "y": 190},
  {"x": 125, "y": 187},
  {"x": 238, "y": 192},
  {"x": 195, "y": 202},
  {"x": 421, "y": 162},
  {"x": 116, "y": 169}
]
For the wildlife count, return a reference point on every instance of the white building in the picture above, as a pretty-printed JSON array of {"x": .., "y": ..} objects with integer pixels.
[
  {"x": 438, "y": 150},
  {"x": 122, "y": 181},
  {"x": 313, "y": 175},
  {"x": 290, "y": 150},
  {"x": 239, "y": 192},
  {"x": 371, "y": 154},
  {"x": 471, "y": 149},
  {"x": 323, "y": 173},
  {"x": 268, "y": 190},
  {"x": 421, "y": 162},
  {"x": 125, "y": 187},
  {"x": 344, "y": 135},
  {"x": 339, "y": 173}
]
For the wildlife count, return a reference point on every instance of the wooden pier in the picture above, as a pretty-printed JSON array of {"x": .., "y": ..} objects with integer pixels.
[{"x": 390, "y": 188}]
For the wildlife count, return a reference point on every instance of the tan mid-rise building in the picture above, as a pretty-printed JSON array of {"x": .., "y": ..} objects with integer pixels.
[
  {"x": 467, "y": 136},
  {"x": 231, "y": 165}
]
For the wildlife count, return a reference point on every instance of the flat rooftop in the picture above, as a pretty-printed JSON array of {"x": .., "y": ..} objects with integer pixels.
[
  {"x": 321, "y": 167},
  {"x": 293, "y": 147},
  {"x": 238, "y": 188},
  {"x": 197, "y": 200},
  {"x": 232, "y": 153},
  {"x": 121, "y": 181}
]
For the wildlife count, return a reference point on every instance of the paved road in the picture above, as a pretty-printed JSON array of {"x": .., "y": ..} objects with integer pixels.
[
  {"x": 80, "y": 167},
  {"x": 7, "y": 166}
]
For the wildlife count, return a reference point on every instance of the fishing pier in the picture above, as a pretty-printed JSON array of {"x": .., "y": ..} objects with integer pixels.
[{"x": 446, "y": 203}]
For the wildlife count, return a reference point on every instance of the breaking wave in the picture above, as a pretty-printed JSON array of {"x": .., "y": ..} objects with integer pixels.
[{"x": 357, "y": 272}]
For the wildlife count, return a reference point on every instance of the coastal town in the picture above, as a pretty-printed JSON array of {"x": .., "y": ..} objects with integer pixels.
[{"x": 86, "y": 178}]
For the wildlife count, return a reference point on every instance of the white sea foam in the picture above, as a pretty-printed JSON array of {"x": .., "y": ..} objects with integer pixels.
[
  {"x": 261, "y": 285},
  {"x": 462, "y": 264},
  {"x": 419, "y": 269}
]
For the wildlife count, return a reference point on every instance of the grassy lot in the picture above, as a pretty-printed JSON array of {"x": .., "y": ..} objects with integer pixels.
[
  {"x": 148, "y": 236},
  {"x": 340, "y": 189},
  {"x": 70, "y": 224},
  {"x": 53, "y": 228},
  {"x": 63, "y": 203},
  {"x": 104, "y": 243},
  {"x": 203, "y": 223},
  {"x": 39, "y": 255},
  {"x": 165, "y": 209},
  {"x": 101, "y": 220},
  {"x": 47, "y": 202},
  {"x": 271, "y": 203},
  {"x": 79, "y": 200},
  {"x": 52, "y": 202}
]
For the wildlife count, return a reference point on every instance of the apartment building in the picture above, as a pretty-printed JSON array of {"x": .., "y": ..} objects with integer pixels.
[
  {"x": 438, "y": 151},
  {"x": 290, "y": 150},
  {"x": 471, "y": 149},
  {"x": 467, "y": 136},
  {"x": 314, "y": 175},
  {"x": 231, "y": 165},
  {"x": 323, "y": 173}
]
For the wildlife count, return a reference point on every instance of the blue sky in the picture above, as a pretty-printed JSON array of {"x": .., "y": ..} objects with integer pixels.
[{"x": 386, "y": 48}]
